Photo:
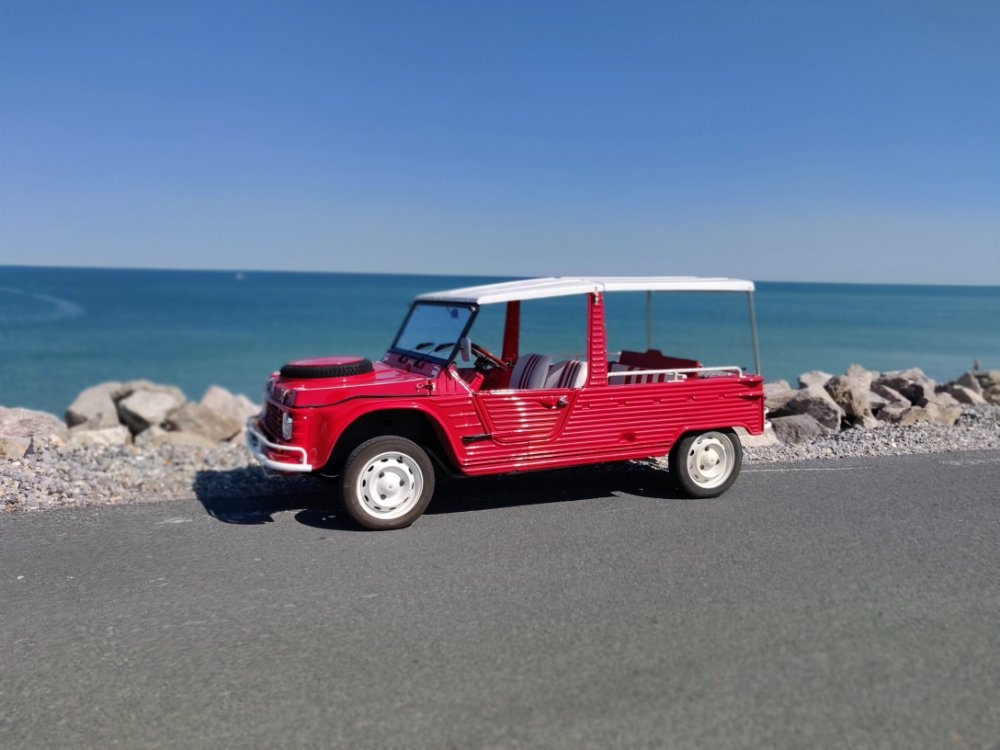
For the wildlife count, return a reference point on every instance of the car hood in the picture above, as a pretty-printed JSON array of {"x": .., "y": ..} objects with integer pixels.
[{"x": 383, "y": 380}]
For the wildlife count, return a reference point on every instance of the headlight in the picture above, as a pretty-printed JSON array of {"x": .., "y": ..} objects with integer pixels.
[{"x": 286, "y": 425}]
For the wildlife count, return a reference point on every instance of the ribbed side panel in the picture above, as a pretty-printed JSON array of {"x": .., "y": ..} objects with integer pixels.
[
  {"x": 648, "y": 418},
  {"x": 600, "y": 424},
  {"x": 620, "y": 422},
  {"x": 459, "y": 414},
  {"x": 522, "y": 418}
]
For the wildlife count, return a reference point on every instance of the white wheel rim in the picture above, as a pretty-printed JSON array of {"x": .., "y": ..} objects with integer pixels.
[
  {"x": 710, "y": 460},
  {"x": 389, "y": 485}
]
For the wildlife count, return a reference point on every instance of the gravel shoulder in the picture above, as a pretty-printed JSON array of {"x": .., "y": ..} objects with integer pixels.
[{"x": 102, "y": 475}]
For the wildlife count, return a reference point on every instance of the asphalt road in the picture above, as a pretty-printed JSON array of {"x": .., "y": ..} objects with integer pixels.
[{"x": 840, "y": 604}]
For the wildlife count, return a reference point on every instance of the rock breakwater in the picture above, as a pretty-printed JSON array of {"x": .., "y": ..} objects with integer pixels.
[
  {"x": 136, "y": 441},
  {"x": 861, "y": 399}
]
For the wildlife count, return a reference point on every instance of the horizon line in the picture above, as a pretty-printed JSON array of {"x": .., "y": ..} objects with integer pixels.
[{"x": 245, "y": 269}]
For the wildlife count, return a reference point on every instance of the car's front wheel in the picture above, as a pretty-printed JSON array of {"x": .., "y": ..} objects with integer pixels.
[
  {"x": 705, "y": 464},
  {"x": 387, "y": 482}
]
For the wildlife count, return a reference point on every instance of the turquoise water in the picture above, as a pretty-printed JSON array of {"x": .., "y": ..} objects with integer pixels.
[{"x": 64, "y": 329}]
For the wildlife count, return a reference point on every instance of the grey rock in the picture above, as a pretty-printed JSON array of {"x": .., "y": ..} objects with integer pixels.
[
  {"x": 133, "y": 386},
  {"x": 930, "y": 413},
  {"x": 912, "y": 383},
  {"x": 865, "y": 422},
  {"x": 41, "y": 442},
  {"x": 920, "y": 393},
  {"x": 940, "y": 397},
  {"x": 28, "y": 423},
  {"x": 763, "y": 440},
  {"x": 963, "y": 395},
  {"x": 861, "y": 373},
  {"x": 94, "y": 408},
  {"x": 988, "y": 378},
  {"x": 992, "y": 395},
  {"x": 184, "y": 438},
  {"x": 202, "y": 420},
  {"x": 148, "y": 436},
  {"x": 815, "y": 402},
  {"x": 119, "y": 435},
  {"x": 14, "y": 447},
  {"x": 970, "y": 381},
  {"x": 891, "y": 395},
  {"x": 901, "y": 377},
  {"x": 850, "y": 393},
  {"x": 813, "y": 377},
  {"x": 797, "y": 428},
  {"x": 777, "y": 394},
  {"x": 777, "y": 386},
  {"x": 876, "y": 402},
  {"x": 892, "y": 412},
  {"x": 946, "y": 415},
  {"x": 236, "y": 407},
  {"x": 143, "y": 409}
]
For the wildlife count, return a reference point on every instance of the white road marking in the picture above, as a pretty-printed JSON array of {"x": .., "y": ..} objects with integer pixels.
[
  {"x": 174, "y": 520},
  {"x": 972, "y": 461},
  {"x": 824, "y": 468}
]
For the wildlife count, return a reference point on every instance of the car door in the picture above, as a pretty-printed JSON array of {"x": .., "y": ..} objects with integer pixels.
[{"x": 523, "y": 419}]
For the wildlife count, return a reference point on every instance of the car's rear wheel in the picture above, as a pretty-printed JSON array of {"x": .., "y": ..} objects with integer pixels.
[
  {"x": 387, "y": 482},
  {"x": 705, "y": 464}
]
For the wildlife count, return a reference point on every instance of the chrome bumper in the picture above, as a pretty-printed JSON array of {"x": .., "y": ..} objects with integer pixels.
[{"x": 256, "y": 442}]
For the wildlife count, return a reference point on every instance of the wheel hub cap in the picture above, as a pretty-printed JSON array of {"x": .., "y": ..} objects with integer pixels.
[
  {"x": 710, "y": 460},
  {"x": 390, "y": 485}
]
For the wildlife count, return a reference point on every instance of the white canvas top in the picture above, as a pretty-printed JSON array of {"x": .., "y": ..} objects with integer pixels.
[{"x": 560, "y": 286}]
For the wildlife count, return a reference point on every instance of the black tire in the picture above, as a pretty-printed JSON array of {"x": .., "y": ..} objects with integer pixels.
[
  {"x": 407, "y": 483},
  {"x": 360, "y": 366},
  {"x": 714, "y": 447}
]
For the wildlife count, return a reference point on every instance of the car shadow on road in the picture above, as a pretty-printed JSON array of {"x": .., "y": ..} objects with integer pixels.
[
  {"x": 581, "y": 483},
  {"x": 246, "y": 496}
]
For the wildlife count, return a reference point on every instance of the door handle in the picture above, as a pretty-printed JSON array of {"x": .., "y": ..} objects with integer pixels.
[{"x": 559, "y": 403}]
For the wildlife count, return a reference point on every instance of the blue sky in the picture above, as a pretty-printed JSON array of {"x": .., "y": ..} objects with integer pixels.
[{"x": 839, "y": 141}]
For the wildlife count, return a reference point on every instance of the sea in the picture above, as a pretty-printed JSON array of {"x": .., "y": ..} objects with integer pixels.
[{"x": 64, "y": 329}]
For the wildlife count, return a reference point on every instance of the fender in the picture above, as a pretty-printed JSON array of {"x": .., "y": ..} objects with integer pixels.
[{"x": 332, "y": 424}]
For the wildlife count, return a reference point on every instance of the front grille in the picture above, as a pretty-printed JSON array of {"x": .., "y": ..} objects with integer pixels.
[{"x": 272, "y": 420}]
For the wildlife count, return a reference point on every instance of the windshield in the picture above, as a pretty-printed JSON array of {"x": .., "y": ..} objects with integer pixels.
[{"x": 432, "y": 331}]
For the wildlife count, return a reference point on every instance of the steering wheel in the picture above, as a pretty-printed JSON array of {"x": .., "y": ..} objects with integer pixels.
[{"x": 483, "y": 353}]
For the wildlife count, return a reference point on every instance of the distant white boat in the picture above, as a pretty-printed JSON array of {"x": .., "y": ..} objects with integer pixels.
[{"x": 240, "y": 276}]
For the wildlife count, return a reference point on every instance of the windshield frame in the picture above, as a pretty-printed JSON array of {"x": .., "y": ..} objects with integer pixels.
[{"x": 430, "y": 356}]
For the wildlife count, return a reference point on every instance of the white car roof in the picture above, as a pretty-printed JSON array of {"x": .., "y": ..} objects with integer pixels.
[{"x": 560, "y": 286}]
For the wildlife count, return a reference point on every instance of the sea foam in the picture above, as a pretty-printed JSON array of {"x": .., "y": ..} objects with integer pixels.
[{"x": 57, "y": 308}]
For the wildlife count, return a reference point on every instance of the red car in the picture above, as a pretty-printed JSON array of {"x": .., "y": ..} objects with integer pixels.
[{"x": 439, "y": 399}]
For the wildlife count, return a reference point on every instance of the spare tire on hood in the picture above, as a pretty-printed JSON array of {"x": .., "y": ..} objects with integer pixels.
[{"x": 327, "y": 367}]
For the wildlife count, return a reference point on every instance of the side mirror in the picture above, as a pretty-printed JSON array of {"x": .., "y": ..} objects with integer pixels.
[{"x": 465, "y": 345}]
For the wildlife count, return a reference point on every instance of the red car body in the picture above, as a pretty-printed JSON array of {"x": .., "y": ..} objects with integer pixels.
[{"x": 473, "y": 421}]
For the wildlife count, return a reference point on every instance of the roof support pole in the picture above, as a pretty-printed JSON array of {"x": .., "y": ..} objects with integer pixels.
[
  {"x": 597, "y": 343},
  {"x": 511, "y": 331},
  {"x": 753, "y": 333}
]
